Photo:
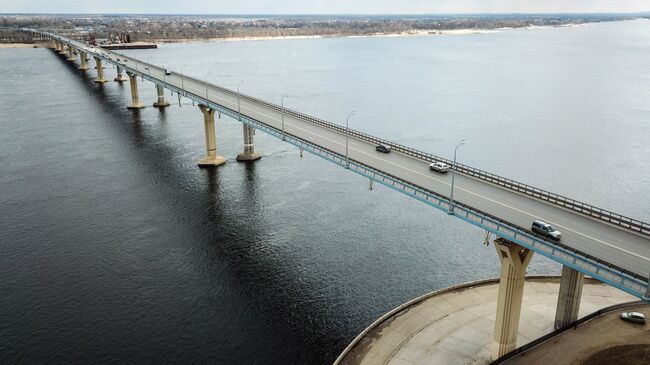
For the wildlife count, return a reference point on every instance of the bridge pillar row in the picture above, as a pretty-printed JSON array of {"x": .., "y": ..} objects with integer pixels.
[
  {"x": 514, "y": 260},
  {"x": 161, "y": 102},
  {"x": 120, "y": 76},
  {"x": 100, "y": 71},
  {"x": 71, "y": 56},
  {"x": 568, "y": 301},
  {"x": 249, "y": 153},
  {"x": 83, "y": 61},
  {"x": 211, "y": 158},
  {"x": 135, "y": 99}
]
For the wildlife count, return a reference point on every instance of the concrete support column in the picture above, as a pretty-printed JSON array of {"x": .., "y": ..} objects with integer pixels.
[
  {"x": 161, "y": 102},
  {"x": 249, "y": 147},
  {"x": 514, "y": 260},
  {"x": 568, "y": 301},
  {"x": 100, "y": 71},
  {"x": 71, "y": 56},
  {"x": 120, "y": 76},
  {"x": 135, "y": 100},
  {"x": 61, "y": 48},
  {"x": 211, "y": 158},
  {"x": 83, "y": 60}
]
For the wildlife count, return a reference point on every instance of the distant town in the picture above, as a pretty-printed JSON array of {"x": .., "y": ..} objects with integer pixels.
[{"x": 174, "y": 28}]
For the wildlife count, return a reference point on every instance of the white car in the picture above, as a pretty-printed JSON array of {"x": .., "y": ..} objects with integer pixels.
[
  {"x": 635, "y": 317},
  {"x": 439, "y": 167}
]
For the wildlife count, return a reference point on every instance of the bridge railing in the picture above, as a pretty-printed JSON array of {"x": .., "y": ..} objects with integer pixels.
[{"x": 544, "y": 195}]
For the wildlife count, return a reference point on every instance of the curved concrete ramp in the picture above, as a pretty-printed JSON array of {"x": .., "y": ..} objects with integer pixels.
[{"x": 455, "y": 325}]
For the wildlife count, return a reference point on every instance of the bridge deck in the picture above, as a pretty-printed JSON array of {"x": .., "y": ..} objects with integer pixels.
[{"x": 610, "y": 243}]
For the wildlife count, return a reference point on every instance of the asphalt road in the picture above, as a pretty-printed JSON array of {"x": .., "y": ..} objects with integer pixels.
[{"x": 610, "y": 243}]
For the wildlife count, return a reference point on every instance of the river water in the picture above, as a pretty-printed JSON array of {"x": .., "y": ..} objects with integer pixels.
[{"x": 117, "y": 248}]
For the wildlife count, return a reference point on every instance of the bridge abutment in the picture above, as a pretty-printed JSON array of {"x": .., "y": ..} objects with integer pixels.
[
  {"x": 161, "y": 102},
  {"x": 568, "y": 301},
  {"x": 100, "y": 71},
  {"x": 211, "y": 158},
  {"x": 514, "y": 260},
  {"x": 135, "y": 99},
  {"x": 249, "y": 153},
  {"x": 120, "y": 76}
]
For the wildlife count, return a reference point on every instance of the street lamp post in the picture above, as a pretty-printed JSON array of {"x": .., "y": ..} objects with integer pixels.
[
  {"x": 453, "y": 175},
  {"x": 206, "y": 86},
  {"x": 282, "y": 114},
  {"x": 238, "y": 96},
  {"x": 347, "y": 132}
]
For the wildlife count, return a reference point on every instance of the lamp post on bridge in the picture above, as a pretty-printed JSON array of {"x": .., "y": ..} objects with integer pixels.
[
  {"x": 347, "y": 132},
  {"x": 282, "y": 114},
  {"x": 206, "y": 86},
  {"x": 238, "y": 96},
  {"x": 453, "y": 175}
]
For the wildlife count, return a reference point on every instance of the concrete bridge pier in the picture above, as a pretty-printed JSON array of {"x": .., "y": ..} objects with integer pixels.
[
  {"x": 120, "y": 76},
  {"x": 83, "y": 61},
  {"x": 61, "y": 48},
  {"x": 161, "y": 102},
  {"x": 514, "y": 260},
  {"x": 249, "y": 153},
  {"x": 568, "y": 301},
  {"x": 211, "y": 158},
  {"x": 71, "y": 56},
  {"x": 100, "y": 71},
  {"x": 135, "y": 99}
]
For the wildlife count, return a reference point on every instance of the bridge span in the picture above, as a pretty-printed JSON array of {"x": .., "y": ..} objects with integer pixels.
[{"x": 605, "y": 245}]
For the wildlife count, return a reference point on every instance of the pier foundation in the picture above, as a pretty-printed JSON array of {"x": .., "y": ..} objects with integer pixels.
[
  {"x": 135, "y": 99},
  {"x": 514, "y": 260},
  {"x": 211, "y": 158},
  {"x": 120, "y": 76},
  {"x": 568, "y": 301},
  {"x": 249, "y": 153},
  {"x": 100, "y": 71},
  {"x": 161, "y": 102},
  {"x": 71, "y": 56}
]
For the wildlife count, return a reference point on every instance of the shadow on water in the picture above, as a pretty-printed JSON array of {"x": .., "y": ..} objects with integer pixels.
[{"x": 249, "y": 271}]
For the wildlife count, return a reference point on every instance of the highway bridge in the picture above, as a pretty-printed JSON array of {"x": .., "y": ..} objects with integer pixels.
[{"x": 605, "y": 245}]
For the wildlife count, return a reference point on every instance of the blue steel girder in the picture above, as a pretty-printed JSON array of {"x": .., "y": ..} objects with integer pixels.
[{"x": 584, "y": 263}]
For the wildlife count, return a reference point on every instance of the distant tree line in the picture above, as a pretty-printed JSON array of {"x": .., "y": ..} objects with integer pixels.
[{"x": 171, "y": 28}]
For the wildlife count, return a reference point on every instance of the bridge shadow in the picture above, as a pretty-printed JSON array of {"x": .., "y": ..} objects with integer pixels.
[{"x": 205, "y": 210}]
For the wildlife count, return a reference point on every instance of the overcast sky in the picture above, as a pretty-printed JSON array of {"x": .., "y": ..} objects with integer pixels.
[{"x": 320, "y": 6}]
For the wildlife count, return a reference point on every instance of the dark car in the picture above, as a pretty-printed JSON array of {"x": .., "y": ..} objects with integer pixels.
[
  {"x": 167, "y": 72},
  {"x": 383, "y": 148},
  {"x": 546, "y": 229}
]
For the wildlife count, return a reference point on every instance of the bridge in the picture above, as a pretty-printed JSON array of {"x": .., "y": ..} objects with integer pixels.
[{"x": 610, "y": 247}]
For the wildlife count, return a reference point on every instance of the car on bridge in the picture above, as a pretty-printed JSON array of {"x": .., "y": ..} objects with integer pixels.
[
  {"x": 439, "y": 167},
  {"x": 634, "y": 317},
  {"x": 383, "y": 148},
  {"x": 546, "y": 229}
]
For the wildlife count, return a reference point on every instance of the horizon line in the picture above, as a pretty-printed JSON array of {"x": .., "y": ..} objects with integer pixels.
[{"x": 340, "y": 14}]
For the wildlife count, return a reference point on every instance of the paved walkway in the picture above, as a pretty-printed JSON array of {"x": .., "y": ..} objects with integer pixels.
[{"x": 455, "y": 325}]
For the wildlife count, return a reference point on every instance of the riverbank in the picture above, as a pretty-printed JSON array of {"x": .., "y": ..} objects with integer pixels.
[{"x": 23, "y": 45}]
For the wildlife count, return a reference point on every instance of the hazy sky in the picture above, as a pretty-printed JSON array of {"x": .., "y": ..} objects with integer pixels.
[{"x": 320, "y": 6}]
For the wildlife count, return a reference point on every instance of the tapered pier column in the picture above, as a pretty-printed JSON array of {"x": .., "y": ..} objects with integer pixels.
[
  {"x": 100, "y": 71},
  {"x": 568, "y": 301},
  {"x": 61, "y": 48},
  {"x": 135, "y": 100},
  {"x": 120, "y": 76},
  {"x": 71, "y": 56},
  {"x": 249, "y": 153},
  {"x": 211, "y": 158},
  {"x": 514, "y": 260},
  {"x": 161, "y": 102},
  {"x": 83, "y": 60}
]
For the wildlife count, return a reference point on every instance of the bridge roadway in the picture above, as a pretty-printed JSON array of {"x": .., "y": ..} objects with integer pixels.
[{"x": 610, "y": 243}]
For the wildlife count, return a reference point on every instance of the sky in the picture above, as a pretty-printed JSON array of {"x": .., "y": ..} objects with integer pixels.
[{"x": 322, "y": 6}]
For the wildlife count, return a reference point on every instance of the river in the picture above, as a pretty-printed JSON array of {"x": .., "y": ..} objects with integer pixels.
[{"x": 117, "y": 248}]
